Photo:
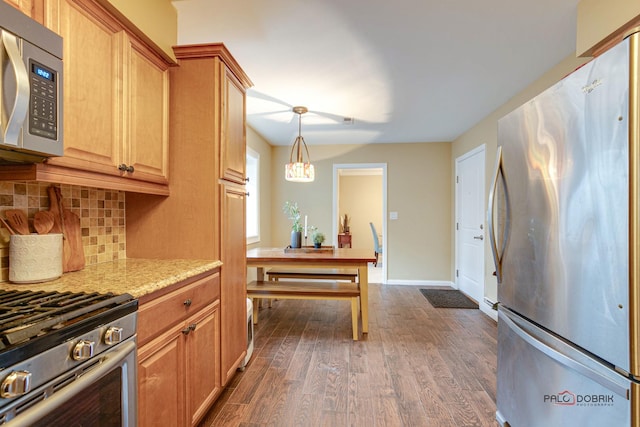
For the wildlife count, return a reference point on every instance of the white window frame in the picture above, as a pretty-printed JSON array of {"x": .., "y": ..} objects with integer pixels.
[{"x": 252, "y": 205}]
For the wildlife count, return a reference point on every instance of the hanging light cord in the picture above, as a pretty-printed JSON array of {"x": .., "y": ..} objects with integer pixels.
[{"x": 296, "y": 143}]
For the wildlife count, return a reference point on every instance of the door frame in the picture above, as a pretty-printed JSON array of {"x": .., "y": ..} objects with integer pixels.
[
  {"x": 459, "y": 160},
  {"x": 336, "y": 186}
]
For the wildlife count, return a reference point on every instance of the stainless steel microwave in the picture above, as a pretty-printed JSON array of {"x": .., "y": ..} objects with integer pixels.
[{"x": 30, "y": 89}]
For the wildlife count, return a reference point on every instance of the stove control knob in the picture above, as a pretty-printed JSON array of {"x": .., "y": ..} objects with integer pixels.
[
  {"x": 83, "y": 350},
  {"x": 17, "y": 383},
  {"x": 113, "y": 335}
]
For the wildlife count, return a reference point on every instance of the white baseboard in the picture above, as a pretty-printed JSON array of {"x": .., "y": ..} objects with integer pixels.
[
  {"x": 426, "y": 283},
  {"x": 489, "y": 311}
]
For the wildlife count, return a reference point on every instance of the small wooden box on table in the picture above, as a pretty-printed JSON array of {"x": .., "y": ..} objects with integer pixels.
[{"x": 344, "y": 240}]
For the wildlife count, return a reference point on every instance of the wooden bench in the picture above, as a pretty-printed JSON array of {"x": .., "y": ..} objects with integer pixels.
[
  {"x": 307, "y": 290},
  {"x": 319, "y": 273}
]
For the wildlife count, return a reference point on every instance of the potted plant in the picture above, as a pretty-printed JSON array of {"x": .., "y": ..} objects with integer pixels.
[
  {"x": 317, "y": 237},
  {"x": 293, "y": 213}
]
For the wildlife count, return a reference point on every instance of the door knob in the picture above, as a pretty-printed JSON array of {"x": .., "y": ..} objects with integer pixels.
[{"x": 480, "y": 237}]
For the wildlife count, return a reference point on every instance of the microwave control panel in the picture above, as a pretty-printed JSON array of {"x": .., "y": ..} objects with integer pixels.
[{"x": 43, "y": 103}]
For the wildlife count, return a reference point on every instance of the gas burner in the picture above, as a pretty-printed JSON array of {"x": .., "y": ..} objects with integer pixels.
[{"x": 32, "y": 321}]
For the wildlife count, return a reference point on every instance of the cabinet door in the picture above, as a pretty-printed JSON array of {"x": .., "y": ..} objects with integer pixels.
[
  {"x": 92, "y": 85},
  {"x": 232, "y": 150},
  {"x": 146, "y": 146},
  {"x": 233, "y": 288},
  {"x": 161, "y": 381},
  {"x": 203, "y": 355}
]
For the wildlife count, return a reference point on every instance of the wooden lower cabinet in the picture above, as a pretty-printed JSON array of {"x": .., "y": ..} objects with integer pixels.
[
  {"x": 161, "y": 379},
  {"x": 178, "y": 365}
]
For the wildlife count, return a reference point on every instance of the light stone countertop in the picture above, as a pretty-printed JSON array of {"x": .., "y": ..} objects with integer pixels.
[{"x": 137, "y": 277}]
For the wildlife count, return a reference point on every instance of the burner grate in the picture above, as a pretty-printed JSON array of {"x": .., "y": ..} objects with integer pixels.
[{"x": 28, "y": 314}]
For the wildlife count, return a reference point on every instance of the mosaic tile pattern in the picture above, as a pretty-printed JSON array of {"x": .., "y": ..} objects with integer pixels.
[{"x": 101, "y": 212}]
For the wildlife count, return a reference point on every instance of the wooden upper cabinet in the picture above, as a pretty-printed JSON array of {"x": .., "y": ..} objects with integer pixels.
[
  {"x": 233, "y": 146},
  {"x": 116, "y": 104},
  {"x": 116, "y": 96},
  {"x": 227, "y": 86},
  {"x": 146, "y": 145},
  {"x": 92, "y": 86}
]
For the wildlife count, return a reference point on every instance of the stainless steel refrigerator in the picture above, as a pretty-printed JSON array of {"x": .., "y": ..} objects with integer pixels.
[{"x": 564, "y": 217}]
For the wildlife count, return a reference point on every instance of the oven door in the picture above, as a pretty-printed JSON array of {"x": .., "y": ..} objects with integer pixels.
[{"x": 96, "y": 394}]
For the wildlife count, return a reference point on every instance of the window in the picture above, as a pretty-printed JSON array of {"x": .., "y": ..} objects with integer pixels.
[{"x": 253, "y": 197}]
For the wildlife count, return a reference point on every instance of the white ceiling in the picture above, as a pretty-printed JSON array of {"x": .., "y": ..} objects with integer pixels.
[{"x": 404, "y": 70}]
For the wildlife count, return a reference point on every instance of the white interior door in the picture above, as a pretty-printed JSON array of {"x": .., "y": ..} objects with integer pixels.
[{"x": 470, "y": 223}]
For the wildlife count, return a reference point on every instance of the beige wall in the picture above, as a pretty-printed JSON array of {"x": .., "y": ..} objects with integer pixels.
[
  {"x": 157, "y": 19},
  {"x": 598, "y": 19},
  {"x": 418, "y": 176},
  {"x": 361, "y": 198},
  {"x": 486, "y": 132}
]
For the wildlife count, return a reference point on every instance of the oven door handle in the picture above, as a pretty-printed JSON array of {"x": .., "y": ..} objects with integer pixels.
[{"x": 109, "y": 362}]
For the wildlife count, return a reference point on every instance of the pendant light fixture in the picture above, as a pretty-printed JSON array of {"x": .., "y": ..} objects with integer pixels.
[{"x": 299, "y": 170}]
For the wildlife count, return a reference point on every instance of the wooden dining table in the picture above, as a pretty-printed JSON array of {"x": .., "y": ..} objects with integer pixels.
[{"x": 338, "y": 258}]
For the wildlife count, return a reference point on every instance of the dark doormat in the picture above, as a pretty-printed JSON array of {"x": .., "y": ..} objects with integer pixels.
[{"x": 448, "y": 298}]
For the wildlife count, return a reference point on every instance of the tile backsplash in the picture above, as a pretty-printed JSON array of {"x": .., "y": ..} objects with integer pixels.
[{"x": 101, "y": 212}]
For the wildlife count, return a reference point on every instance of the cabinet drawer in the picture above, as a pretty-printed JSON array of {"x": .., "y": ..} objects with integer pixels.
[{"x": 161, "y": 313}]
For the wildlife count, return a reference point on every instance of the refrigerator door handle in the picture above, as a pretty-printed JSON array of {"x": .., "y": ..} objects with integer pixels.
[
  {"x": 562, "y": 358},
  {"x": 497, "y": 256}
]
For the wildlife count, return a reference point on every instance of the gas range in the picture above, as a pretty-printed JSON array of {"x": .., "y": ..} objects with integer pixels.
[
  {"x": 33, "y": 321},
  {"x": 50, "y": 340}
]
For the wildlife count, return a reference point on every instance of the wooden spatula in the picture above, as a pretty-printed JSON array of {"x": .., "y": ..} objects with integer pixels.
[
  {"x": 18, "y": 220},
  {"x": 43, "y": 222}
]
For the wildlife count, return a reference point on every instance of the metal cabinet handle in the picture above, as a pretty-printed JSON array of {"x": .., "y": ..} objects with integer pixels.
[
  {"x": 480, "y": 237},
  {"x": 125, "y": 168},
  {"x": 189, "y": 329},
  {"x": 187, "y": 302}
]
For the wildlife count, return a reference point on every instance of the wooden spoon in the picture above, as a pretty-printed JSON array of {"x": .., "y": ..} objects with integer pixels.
[
  {"x": 43, "y": 221},
  {"x": 7, "y": 226},
  {"x": 18, "y": 221}
]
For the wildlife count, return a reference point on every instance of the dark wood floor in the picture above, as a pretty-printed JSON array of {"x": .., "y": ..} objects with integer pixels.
[{"x": 418, "y": 366}]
